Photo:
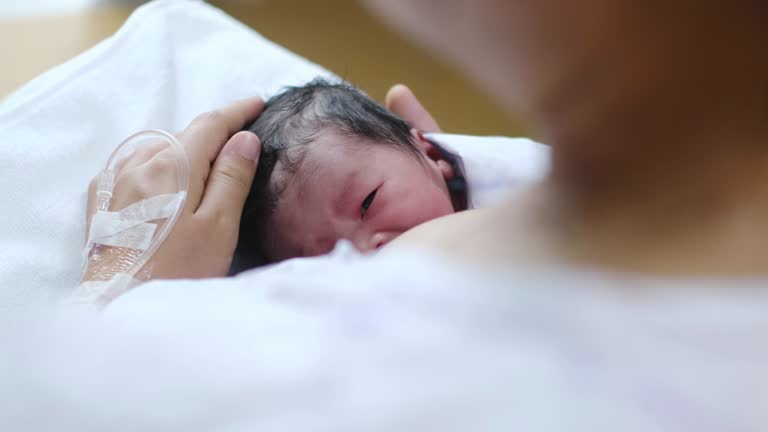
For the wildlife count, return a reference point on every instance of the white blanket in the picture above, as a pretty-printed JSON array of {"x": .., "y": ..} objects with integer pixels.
[
  {"x": 405, "y": 342},
  {"x": 170, "y": 61}
]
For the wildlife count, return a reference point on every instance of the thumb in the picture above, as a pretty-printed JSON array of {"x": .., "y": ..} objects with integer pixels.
[
  {"x": 231, "y": 177},
  {"x": 401, "y": 101}
]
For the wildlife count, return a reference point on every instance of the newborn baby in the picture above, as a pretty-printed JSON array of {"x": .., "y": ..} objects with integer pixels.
[{"x": 336, "y": 165}]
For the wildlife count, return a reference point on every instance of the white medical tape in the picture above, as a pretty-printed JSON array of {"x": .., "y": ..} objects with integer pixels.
[
  {"x": 157, "y": 207},
  {"x": 129, "y": 227},
  {"x": 104, "y": 224}
]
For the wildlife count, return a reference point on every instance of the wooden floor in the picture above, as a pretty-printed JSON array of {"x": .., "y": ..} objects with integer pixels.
[{"x": 337, "y": 34}]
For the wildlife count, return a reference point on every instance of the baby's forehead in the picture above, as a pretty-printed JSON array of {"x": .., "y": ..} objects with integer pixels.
[
  {"x": 332, "y": 155},
  {"x": 331, "y": 145},
  {"x": 334, "y": 160},
  {"x": 306, "y": 170}
]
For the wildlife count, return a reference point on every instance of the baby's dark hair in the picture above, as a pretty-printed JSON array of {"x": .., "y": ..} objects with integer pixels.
[{"x": 290, "y": 122}]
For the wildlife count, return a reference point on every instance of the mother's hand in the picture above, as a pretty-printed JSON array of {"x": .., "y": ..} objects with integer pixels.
[{"x": 222, "y": 165}]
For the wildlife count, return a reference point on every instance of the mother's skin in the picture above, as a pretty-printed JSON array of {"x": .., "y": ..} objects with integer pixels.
[{"x": 657, "y": 113}]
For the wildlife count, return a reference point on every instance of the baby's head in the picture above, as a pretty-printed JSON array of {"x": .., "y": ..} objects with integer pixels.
[{"x": 336, "y": 165}]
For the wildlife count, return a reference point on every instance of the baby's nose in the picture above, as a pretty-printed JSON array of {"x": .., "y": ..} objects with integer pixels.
[{"x": 378, "y": 240}]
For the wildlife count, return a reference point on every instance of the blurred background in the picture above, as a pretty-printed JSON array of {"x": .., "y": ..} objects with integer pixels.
[{"x": 340, "y": 35}]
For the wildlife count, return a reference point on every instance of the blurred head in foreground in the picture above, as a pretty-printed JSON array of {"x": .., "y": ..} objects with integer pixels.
[{"x": 608, "y": 81}]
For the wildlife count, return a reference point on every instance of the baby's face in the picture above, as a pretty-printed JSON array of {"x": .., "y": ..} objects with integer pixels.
[{"x": 364, "y": 192}]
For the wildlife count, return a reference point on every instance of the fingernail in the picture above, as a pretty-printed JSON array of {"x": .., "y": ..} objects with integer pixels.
[{"x": 247, "y": 145}]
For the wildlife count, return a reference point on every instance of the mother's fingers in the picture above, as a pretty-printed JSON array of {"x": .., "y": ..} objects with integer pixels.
[
  {"x": 139, "y": 157},
  {"x": 207, "y": 134},
  {"x": 230, "y": 180}
]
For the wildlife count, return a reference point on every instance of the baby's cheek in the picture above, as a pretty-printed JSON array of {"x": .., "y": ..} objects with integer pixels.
[
  {"x": 407, "y": 206},
  {"x": 432, "y": 206}
]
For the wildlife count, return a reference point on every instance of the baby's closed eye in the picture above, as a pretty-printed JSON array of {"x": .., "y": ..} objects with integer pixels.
[{"x": 367, "y": 202}]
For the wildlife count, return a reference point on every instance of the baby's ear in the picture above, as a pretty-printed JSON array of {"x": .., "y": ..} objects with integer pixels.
[{"x": 433, "y": 154}]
